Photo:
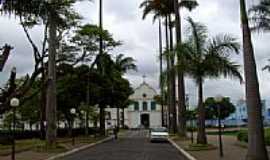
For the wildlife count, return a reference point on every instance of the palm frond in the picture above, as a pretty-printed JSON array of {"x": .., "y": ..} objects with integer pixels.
[
  {"x": 189, "y": 4},
  {"x": 260, "y": 16},
  {"x": 198, "y": 34},
  {"x": 224, "y": 45}
]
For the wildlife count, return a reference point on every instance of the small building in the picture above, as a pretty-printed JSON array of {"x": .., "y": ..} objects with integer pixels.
[
  {"x": 240, "y": 117},
  {"x": 143, "y": 112}
]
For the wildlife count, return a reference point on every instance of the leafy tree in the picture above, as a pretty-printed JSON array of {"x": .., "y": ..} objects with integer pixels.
[
  {"x": 256, "y": 144},
  {"x": 56, "y": 16},
  {"x": 207, "y": 58},
  {"x": 211, "y": 107}
]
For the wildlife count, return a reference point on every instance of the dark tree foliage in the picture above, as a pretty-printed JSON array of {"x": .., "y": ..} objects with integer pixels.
[{"x": 211, "y": 107}]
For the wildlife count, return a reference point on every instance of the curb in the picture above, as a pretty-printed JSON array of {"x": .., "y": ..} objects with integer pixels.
[
  {"x": 78, "y": 149},
  {"x": 182, "y": 151}
]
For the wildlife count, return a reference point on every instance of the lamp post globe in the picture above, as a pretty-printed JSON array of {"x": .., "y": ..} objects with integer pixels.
[
  {"x": 218, "y": 98},
  {"x": 14, "y": 102},
  {"x": 82, "y": 112},
  {"x": 72, "y": 110}
]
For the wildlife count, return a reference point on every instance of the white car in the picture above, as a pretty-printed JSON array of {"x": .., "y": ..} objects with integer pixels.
[{"x": 159, "y": 134}]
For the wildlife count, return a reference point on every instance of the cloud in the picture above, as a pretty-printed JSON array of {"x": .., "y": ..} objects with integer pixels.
[{"x": 140, "y": 40}]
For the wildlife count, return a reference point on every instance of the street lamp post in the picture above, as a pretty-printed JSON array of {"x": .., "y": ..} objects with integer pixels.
[
  {"x": 14, "y": 102},
  {"x": 73, "y": 112},
  {"x": 218, "y": 99},
  {"x": 84, "y": 113}
]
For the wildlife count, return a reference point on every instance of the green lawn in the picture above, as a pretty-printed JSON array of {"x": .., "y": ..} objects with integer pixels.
[
  {"x": 63, "y": 144},
  {"x": 225, "y": 133}
]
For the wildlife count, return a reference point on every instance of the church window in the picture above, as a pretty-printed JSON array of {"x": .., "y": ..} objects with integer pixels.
[
  {"x": 136, "y": 106},
  {"x": 145, "y": 106},
  {"x": 153, "y": 106}
]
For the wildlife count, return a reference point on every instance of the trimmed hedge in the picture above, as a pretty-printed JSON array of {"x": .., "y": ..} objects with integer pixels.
[{"x": 243, "y": 136}]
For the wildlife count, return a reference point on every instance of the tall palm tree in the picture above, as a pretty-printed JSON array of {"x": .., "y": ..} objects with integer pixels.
[
  {"x": 181, "y": 86},
  {"x": 207, "y": 58},
  {"x": 101, "y": 107},
  {"x": 256, "y": 144},
  {"x": 160, "y": 9}
]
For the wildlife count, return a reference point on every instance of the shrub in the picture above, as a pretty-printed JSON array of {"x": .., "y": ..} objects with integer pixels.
[
  {"x": 5, "y": 135},
  {"x": 189, "y": 129},
  {"x": 243, "y": 136}
]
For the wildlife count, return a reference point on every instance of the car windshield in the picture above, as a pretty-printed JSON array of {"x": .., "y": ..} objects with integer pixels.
[{"x": 159, "y": 130}]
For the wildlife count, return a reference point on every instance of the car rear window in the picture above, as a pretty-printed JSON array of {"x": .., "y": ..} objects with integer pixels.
[{"x": 159, "y": 130}]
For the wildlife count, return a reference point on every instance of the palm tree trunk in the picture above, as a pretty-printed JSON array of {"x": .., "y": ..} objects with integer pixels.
[
  {"x": 118, "y": 118},
  {"x": 43, "y": 105},
  {"x": 100, "y": 26},
  {"x": 87, "y": 123},
  {"x": 102, "y": 120},
  {"x": 51, "y": 85},
  {"x": 181, "y": 82},
  {"x": 168, "y": 74},
  {"x": 161, "y": 70},
  {"x": 172, "y": 81},
  {"x": 87, "y": 102},
  {"x": 256, "y": 143},
  {"x": 201, "y": 137},
  {"x": 123, "y": 117}
]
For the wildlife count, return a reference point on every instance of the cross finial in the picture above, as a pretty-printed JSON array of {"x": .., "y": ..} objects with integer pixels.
[{"x": 144, "y": 77}]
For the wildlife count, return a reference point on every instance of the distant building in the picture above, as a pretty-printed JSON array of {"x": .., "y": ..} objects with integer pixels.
[
  {"x": 143, "y": 112},
  {"x": 240, "y": 117}
]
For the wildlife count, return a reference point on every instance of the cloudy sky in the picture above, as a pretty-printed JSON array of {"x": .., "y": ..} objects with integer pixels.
[{"x": 140, "y": 38}]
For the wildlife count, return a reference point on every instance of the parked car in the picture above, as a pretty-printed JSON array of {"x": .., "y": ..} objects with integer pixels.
[{"x": 159, "y": 134}]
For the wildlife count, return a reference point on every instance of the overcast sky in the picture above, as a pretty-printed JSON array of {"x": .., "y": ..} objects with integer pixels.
[{"x": 140, "y": 38}]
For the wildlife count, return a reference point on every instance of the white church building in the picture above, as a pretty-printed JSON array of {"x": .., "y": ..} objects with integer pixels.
[{"x": 144, "y": 112}]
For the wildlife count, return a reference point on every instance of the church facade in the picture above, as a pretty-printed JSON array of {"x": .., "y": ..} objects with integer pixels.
[{"x": 143, "y": 112}]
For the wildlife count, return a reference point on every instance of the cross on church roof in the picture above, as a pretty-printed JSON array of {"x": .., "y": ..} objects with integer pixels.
[{"x": 144, "y": 77}]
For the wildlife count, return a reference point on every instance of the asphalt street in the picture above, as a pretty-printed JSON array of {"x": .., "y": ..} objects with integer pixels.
[{"x": 135, "y": 145}]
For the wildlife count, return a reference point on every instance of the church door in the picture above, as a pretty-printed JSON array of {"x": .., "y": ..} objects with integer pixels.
[{"x": 145, "y": 120}]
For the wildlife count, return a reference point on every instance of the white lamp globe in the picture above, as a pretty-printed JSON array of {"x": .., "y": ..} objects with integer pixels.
[
  {"x": 72, "y": 110},
  {"x": 82, "y": 112},
  {"x": 14, "y": 102},
  {"x": 218, "y": 98}
]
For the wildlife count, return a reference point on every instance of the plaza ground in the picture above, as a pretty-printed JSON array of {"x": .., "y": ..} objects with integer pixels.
[{"x": 233, "y": 149}]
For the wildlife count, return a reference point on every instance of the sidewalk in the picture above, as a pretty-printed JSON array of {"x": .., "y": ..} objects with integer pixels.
[{"x": 233, "y": 150}]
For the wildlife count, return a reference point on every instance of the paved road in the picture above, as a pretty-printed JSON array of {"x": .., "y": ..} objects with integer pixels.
[{"x": 133, "y": 146}]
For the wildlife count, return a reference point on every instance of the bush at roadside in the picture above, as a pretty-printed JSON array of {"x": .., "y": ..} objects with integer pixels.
[{"x": 243, "y": 136}]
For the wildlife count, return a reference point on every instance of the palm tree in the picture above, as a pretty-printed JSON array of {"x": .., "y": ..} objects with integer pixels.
[
  {"x": 51, "y": 85},
  {"x": 260, "y": 16},
  {"x": 207, "y": 58},
  {"x": 160, "y": 9},
  {"x": 123, "y": 64},
  {"x": 101, "y": 106},
  {"x": 256, "y": 144},
  {"x": 181, "y": 86}
]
